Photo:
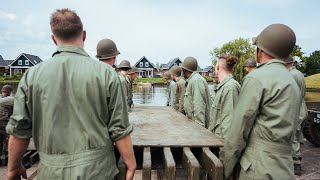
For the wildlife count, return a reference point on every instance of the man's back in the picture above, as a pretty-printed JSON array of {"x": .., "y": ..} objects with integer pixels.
[
  {"x": 263, "y": 124},
  {"x": 299, "y": 78},
  {"x": 75, "y": 112},
  {"x": 6, "y": 109},
  {"x": 196, "y": 101}
]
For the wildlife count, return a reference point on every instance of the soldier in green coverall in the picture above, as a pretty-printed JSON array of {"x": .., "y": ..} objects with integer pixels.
[
  {"x": 261, "y": 134},
  {"x": 197, "y": 96},
  {"x": 298, "y": 138},
  {"x": 74, "y": 108},
  {"x": 226, "y": 96},
  {"x": 171, "y": 89}
]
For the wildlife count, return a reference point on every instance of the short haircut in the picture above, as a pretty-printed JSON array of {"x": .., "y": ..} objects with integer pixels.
[{"x": 66, "y": 24}]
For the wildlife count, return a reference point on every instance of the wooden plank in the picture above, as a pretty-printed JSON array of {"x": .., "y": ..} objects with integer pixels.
[
  {"x": 169, "y": 164},
  {"x": 33, "y": 175},
  {"x": 122, "y": 170},
  {"x": 211, "y": 164},
  {"x": 191, "y": 164},
  {"x": 146, "y": 164},
  {"x": 150, "y": 123}
]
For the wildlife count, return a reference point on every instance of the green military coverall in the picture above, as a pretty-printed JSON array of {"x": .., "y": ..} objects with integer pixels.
[
  {"x": 74, "y": 108},
  {"x": 171, "y": 89},
  {"x": 261, "y": 134},
  {"x": 6, "y": 109},
  {"x": 125, "y": 82},
  {"x": 223, "y": 105},
  {"x": 197, "y": 99},
  {"x": 298, "y": 138},
  {"x": 180, "y": 90}
]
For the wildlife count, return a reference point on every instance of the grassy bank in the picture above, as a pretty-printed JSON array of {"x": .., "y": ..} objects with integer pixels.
[
  {"x": 313, "y": 81},
  {"x": 160, "y": 80}
]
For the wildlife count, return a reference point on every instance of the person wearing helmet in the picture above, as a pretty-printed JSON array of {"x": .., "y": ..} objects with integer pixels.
[
  {"x": 6, "y": 109},
  {"x": 132, "y": 74},
  {"x": 226, "y": 96},
  {"x": 74, "y": 109},
  {"x": 123, "y": 69},
  {"x": 196, "y": 98},
  {"x": 250, "y": 64},
  {"x": 298, "y": 136},
  {"x": 215, "y": 82},
  {"x": 6, "y": 91},
  {"x": 107, "y": 52},
  {"x": 171, "y": 89},
  {"x": 260, "y": 136},
  {"x": 175, "y": 72}
]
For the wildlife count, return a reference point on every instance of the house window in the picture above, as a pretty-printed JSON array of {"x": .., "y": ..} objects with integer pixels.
[
  {"x": 16, "y": 71},
  {"x": 175, "y": 64},
  {"x": 6, "y": 67},
  {"x": 19, "y": 62},
  {"x": 141, "y": 64},
  {"x": 27, "y": 62},
  {"x": 147, "y": 64}
]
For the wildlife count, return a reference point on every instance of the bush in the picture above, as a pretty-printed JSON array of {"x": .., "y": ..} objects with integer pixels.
[{"x": 15, "y": 77}]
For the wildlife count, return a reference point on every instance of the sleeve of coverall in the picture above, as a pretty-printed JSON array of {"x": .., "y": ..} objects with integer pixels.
[
  {"x": 125, "y": 89},
  {"x": 173, "y": 94},
  {"x": 119, "y": 121},
  {"x": 20, "y": 123},
  {"x": 242, "y": 123},
  {"x": 228, "y": 105},
  {"x": 182, "y": 89},
  {"x": 199, "y": 102}
]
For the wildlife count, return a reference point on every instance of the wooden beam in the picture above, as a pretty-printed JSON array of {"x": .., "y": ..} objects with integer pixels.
[
  {"x": 169, "y": 164},
  {"x": 122, "y": 170},
  {"x": 211, "y": 164},
  {"x": 191, "y": 164},
  {"x": 146, "y": 164}
]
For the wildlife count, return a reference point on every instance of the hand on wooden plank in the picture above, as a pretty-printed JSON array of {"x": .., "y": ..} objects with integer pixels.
[{"x": 17, "y": 173}]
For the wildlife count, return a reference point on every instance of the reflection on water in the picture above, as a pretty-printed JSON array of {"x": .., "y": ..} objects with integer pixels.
[{"x": 155, "y": 95}]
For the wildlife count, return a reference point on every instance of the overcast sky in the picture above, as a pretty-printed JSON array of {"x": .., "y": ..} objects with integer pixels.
[{"x": 159, "y": 30}]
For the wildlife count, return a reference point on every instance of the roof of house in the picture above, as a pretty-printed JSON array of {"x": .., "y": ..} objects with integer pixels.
[
  {"x": 34, "y": 59},
  {"x": 143, "y": 57},
  {"x": 8, "y": 61},
  {"x": 2, "y": 62},
  {"x": 169, "y": 64},
  {"x": 208, "y": 69}
]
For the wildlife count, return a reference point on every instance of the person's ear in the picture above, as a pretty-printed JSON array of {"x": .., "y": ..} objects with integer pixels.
[
  {"x": 84, "y": 35},
  {"x": 54, "y": 39}
]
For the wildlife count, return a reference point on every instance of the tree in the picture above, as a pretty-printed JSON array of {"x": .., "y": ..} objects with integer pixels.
[
  {"x": 241, "y": 48},
  {"x": 297, "y": 52},
  {"x": 313, "y": 62}
]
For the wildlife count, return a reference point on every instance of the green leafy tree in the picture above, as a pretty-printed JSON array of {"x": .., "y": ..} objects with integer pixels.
[
  {"x": 241, "y": 48},
  {"x": 297, "y": 52},
  {"x": 313, "y": 62}
]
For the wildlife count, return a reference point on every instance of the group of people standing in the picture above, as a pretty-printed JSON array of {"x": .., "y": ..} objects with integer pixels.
[
  {"x": 260, "y": 120},
  {"x": 76, "y": 108}
]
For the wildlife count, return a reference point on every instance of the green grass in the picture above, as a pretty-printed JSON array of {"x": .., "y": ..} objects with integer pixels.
[
  {"x": 313, "y": 81},
  {"x": 150, "y": 80}
]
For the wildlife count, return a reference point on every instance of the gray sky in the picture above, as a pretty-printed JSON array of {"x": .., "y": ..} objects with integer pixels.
[{"x": 159, "y": 30}]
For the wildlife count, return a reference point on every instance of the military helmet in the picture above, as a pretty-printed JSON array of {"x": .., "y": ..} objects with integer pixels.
[
  {"x": 106, "y": 48},
  {"x": 289, "y": 60},
  {"x": 167, "y": 75},
  {"x": 250, "y": 63},
  {"x": 190, "y": 64},
  {"x": 7, "y": 88},
  {"x": 277, "y": 40},
  {"x": 133, "y": 70},
  {"x": 176, "y": 70},
  {"x": 124, "y": 64}
]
